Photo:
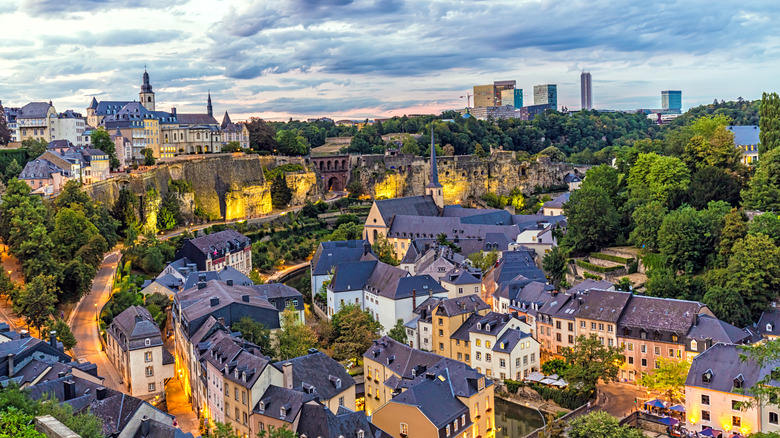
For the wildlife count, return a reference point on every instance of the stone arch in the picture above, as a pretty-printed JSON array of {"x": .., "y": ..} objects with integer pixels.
[
  {"x": 376, "y": 235},
  {"x": 328, "y": 165},
  {"x": 334, "y": 184},
  {"x": 322, "y": 166},
  {"x": 343, "y": 164}
]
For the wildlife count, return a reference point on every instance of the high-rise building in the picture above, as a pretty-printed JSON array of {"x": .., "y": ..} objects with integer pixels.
[
  {"x": 512, "y": 97},
  {"x": 671, "y": 100},
  {"x": 586, "y": 92},
  {"x": 547, "y": 93},
  {"x": 490, "y": 95}
]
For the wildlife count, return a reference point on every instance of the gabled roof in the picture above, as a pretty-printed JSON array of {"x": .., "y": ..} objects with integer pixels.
[
  {"x": 196, "y": 119},
  {"x": 650, "y": 313},
  {"x": 352, "y": 275},
  {"x": 607, "y": 306},
  {"x": 507, "y": 342},
  {"x": 435, "y": 400},
  {"x": 318, "y": 421},
  {"x": 384, "y": 280},
  {"x": 330, "y": 254},
  {"x": 457, "y": 306},
  {"x": 570, "y": 177},
  {"x": 220, "y": 241},
  {"x": 34, "y": 110},
  {"x": 514, "y": 263},
  {"x": 107, "y": 107},
  {"x": 724, "y": 363},
  {"x": 709, "y": 327},
  {"x": 769, "y": 323},
  {"x": 227, "y": 273},
  {"x": 40, "y": 168},
  {"x": 410, "y": 205},
  {"x": 494, "y": 321},
  {"x": 557, "y": 202},
  {"x": 275, "y": 397},
  {"x": 226, "y": 120},
  {"x": 745, "y": 135},
  {"x": 328, "y": 377},
  {"x": 407, "y": 286},
  {"x": 133, "y": 327}
]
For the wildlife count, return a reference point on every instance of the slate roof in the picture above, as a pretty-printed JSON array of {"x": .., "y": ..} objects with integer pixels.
[
  {"x": 23, "y": 348},
  {"x": 459, "y": 276},
  {"x": 607, "y": 306},
  {"x": 384, "y": 280},
  {"x": 227, "y": 240},
  {"x": 435, "y": 400},
  {"x": 462, "y": 333},
  {"x": 723, "y": 360},
  {"x": 40, "y": 168},
  {"x": 226, "y": 121},
  {"x": 406, "y": 287},
  {"x": 227, "y": 273},
  {"x": 245, "y": 368},
  {"x": 130, "y": 111},
  {"x": 590, "y": 284},
  {"x": 410, "y": 205},
  {"x": 662, "y": 314},
  {"x": 407, "y": 226},
  {"x": 458, "y": 306},
  {"x": 709, "y": 327},
  {"x": 507, "y": 342},
  {"x": 494, "y": 320},
  {"x": 34, "y": 110},
  {"x": 196, "y": 119},
  {"x": 769, "y": 323},
  {"x": 60, "y": 144},
  {"x": 275, "y": 397},
  {"x": 107, "y": 107},
  {"x": 570, "y": 177},
  {"x": 318, "y": 421},
  {"x": 411, "y": 255},
  {"x": 745, "y": 135},
  {"x": 280, "y": 295},
  {"x": 514, "y": 263},
  {"x": 352, "y": 275},
  {"x": 405, "y": 358},
  {"x": 330, "y": 254},
  {"x": 328, "y": 377},
  {"x": 133, "y": 326},
  {"x": 558, "y": 201},
  {"x": 157, "y": 429}
]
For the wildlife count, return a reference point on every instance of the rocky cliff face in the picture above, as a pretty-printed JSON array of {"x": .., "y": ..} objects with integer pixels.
[
  {"x": 226, "y": 187},
  {"x": 464, "y": 177}
]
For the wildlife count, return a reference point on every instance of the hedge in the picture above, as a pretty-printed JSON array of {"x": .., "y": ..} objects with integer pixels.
[
  {"x": 611, "y": 258},
  {"x": 597, "y": 268},
  {"x": 512, "y": 385},
  {"x": 567, "y": 398},
  {"x": 591, "y": 276}
]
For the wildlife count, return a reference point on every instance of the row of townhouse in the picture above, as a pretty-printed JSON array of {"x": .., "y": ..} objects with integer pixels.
[
  {"x": 411, "y": 393},
  {"x": 63, "y": 162},
  {"x": 646, "y": 329},
  {"x": 44, "y": 370},
  {"x": 230, "y": 380},
  {"x": 41, "y": 121}
]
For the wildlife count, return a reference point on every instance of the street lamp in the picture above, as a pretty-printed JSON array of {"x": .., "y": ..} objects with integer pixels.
[
  {"x": 544, "y": 420},
  {"x": 96, "y": 315}
]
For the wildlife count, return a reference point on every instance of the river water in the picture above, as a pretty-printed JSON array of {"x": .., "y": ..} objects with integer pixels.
[
  {"x": 512, "y": 421},
  {"x": 515, "y": 421}
]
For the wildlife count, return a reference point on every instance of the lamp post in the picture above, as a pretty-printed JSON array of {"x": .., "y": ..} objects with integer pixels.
[
  {"x": 96, "y": 314},
  {"x": 544, "y": 420}
]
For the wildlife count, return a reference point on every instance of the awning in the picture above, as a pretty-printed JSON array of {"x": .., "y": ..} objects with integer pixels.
[
  {"x": 655, "y": 403},
  {"x": 669, "y": 421},
  {"x": 535, "y": 376},
  {"x": 678, "y": 408}
]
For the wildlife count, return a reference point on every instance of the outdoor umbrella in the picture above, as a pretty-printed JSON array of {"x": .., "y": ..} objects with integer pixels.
[
  {"x": 707, "y": 432},
  {"x": 678, "y": 408},
  {"x": 535, "y": 376},
  {"x": 669, "y": 421},
  {"x": 655, "y": 403},
  {"x": 548, "y": 381},
  {"x": 559, "y": 382}
]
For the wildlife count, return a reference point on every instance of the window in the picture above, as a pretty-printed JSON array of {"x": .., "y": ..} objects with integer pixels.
[
  {"x": 243, "y": 397},
  {"x": 238, "y": 415},
  {"x": 533, "y": 357},
  {"x": 609, "y": 328},
  {"x": 558, "y": 337},
  {"x": 467, "y": 358},
  {"x": 671, "y": 352},
  {"x": 447, "y": 430},
  {"x": 705, "y": 400},
  {"x": 487, "y": 357},
  {"x": 644, "y": 362},
  {"x": 479, "y": 342},
  {"x": 487, "y": 344},
  {"x": 463, "y": 420},
  {"x": 479, "y": 355},
  {"x": 235, "y": 393},
  {"x": 557, "y": 325},
  {"x": 571, "y": 326},
  {"x": 441, "y": 346},
  {"x": 525, "y": 360},
  {"x": 149, "y": 371},
  {"x": 773, "y": 418},
  {"x": 148, "y": 356},
  {"x": 361, "y": 434},
  {"x": 460, "y": 356},
  {"x": 244, "y": 418},
  {"x": 571, "y": 339},
  {"x": 643, "y": 348},
  {"x": 441, "y": 321},
  {"x": 593, "y": 326},
  {"x": 657, "y": 364},
  {"x": 151, "y": 387},
  {"x": 517, "y": 362},
  {"x": 630, "y": 346},
  {"x": 707, "y": 377},
  {"x": 441, "y": 332},
  {"x": 601, "y": 327},
  {"x": 582, "y": 324},
  {"x": 735, "y": 405},
  {"x": 630, "y": 360},
  {"x": 693, "y": 345},
  {"x": 736, "y": 421},
  {"x": 404, "y": 429},
  {"x": 657, "y": 351},
  {"x": 705, "y": 415},
  {"x": 341, "y": 401},
  {"x": 147, "y": 342}
]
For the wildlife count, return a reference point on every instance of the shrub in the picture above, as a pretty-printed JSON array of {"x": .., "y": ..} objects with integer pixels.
[
  {"x": 611, "y": 258},
  {"x": 591, "y": 276},
  {"x": 512, "y": 385},
  {"x": 567, "y": 398},
  {"x": 597, "y": 268}
]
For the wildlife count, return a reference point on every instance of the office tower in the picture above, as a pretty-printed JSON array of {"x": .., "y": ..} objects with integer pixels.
[
  {"x": 671, "y": 100},
  {"x": 547, "y": 93},
  {"x": 484, "y": 96},
  {"x": 501, "y": 86},
  {"x": 512, "y": 97},
  {"x": 586, "y": 92}
]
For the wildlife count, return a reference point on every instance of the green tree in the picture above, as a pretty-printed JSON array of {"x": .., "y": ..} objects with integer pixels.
[
  {"x": 555, "y": 263},
  {"x": 734, "y": 228},
  {"x": 254, "y": 332},
  {"x": 125, "y": 210},
  {"x": 669, "y": 378},
  {"x": 232, "y": 146},
  {"x": 277, "y": 432},
  {"x": 683, "y": 240},
  {"x": 101, "y": 140},
  {"x": 12, "y": 170},
  {"x": 36, "y": 301},
  {"x": 384, "y": 250},
  {"x": 35, "y": 146},
  {"x": 763, "y": 192},
  {"x": 348, "y": 231},
  {"x": 355, "y": 331},
  {"x": 224, "y": 430},
  {"x": 280, "y": 192},
  {"x": 600, "y": 424},
  {"x": 765, "y": 356},
  {"x": 554, "y": 153},
  {"x": 479, "y": 151},
  {"x": 262, "y": 136},
  {"x": 355, "y": 189},
  {"x": 289, "y": 142},
  {"x": 765, "y": 223},
  {"x": 647, "y": 221},
  {"x": 17, "y": 424},
  {"x": 170, "y": 212},
  {"x": 85, "y": 424},
  {"x": 655, "y": 177},
  {"x": 727, "y": 304},
  {"x": 483, "y": 260},
  {"x": 769, "y": 123},
  {"x": 554, "y": 428},
  {"x": 409, "y": 145},
  {"x": 5, "y": 133},
  {"x": 72, "y": 230},
  {"x": 554, "y": 366},
  {"x": 590, "y": 361},
  {"x": 398, "y": 332},
  {"x": 294, "y": 338},
  {"x": 606, "y": 177},
  {"x": 754, "y": 272},
  {"x": 592, "y": 219},
  {"x": 148, "y": 154},
  {"x": 710, "y": 183}
]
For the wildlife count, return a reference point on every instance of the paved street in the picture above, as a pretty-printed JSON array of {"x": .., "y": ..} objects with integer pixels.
[
  {"x": 620, "y": 398},
  {"x": 83, "y": 322}
]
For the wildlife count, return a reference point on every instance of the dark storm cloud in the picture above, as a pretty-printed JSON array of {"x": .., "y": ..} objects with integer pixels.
[{"x": 392, "y": 38}]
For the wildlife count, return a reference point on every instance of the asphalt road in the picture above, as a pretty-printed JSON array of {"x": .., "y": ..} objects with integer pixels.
[{"x": 83, "y": 322}]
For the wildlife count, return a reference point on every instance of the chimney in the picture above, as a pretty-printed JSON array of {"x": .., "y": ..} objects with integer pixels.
[
  {"x": 100, "y": 392},
  {"x": 244, "y": 298},
  {"x": 414, "y": 299},
  {"x": 201, "y": 285},
  {"x": 24, "y": 334},
  {"x": 214, "y": 301},
  {"x": 288, "y": 375},
  {"x": 430, "y": 293},
  {"x": 70, "y": 390},
  {"x": 230, "y": 282},
  {"x": 173, "y": 111},
  {"x": 53, "y": 338},
  {"x": 145, "y": 426},
  {"x": 10, "y": 365}
]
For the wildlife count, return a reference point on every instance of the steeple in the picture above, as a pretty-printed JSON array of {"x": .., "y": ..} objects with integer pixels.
[
  {"x": 147, "y": 94},
  {"x": 226, "y": 120},
  {"x": 93, "y": 104},
  {"x": 434, "y": 189},
  {"x": 209, "y": 109}
]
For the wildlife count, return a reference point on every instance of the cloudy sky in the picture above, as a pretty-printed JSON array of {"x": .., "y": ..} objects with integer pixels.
[{"x": 369, "y": 58}]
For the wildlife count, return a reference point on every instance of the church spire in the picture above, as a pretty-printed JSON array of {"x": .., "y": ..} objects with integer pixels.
[
  {"x": 209, "y": 109},
  {"x": 434, "y": 189}
]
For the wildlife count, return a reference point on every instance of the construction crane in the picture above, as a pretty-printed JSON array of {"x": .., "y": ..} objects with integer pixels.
[{"x": 468, "y": 99}]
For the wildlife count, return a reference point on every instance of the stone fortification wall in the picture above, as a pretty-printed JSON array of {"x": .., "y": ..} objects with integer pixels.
[
  {"x": 226, "y": 187},
  {"x": 464, "y": 177}
]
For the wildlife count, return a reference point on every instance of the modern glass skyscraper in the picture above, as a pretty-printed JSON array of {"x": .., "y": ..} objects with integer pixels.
[
  {"x": 547, "y": 93},
  {"x": 512, "y": 97},
  {"x": 586, "y": 92},
  {"x": 671, "y": 100}
]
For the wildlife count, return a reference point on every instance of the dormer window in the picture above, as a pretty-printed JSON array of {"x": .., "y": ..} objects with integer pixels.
[
  {"x": 770, "y": 327},
  {"x": 282, "y": 412},
  {"x": 694, "y": 345},
  {"x": 147, "y": 342},
  {"x": 479, "y": 326},
  {"x": 487, "y": 327},
  {"x": 675, "y": 338},
  {"x": 707, "y": 376},
  {"x": 642, "y": 334},
  {"x": 739, "y": 382},
  {"x": 262, "y": 405}
]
